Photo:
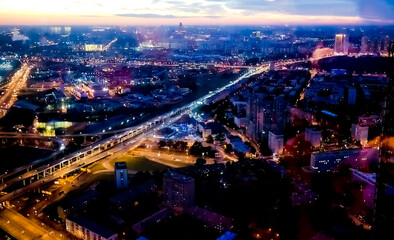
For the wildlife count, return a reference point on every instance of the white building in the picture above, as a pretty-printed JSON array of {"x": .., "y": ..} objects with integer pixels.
[
  {"x": 93, "y": 47},
  {"x": 85, "y": 229},
  {"x": 360, "y": 133},
  {"x": 313, "y": 136},
  {"x": 275, "y": 142},
  {"x": 341, "y": 44},
  {"x": 97, "y": 90}
]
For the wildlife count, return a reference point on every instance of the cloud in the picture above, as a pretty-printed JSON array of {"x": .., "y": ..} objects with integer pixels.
[
  {"x": 298, "y": 7},
  {"x": 378, "y": 10},
  {"x": 201, "y": 7},
  {"x": 175, "y": 2},
  {"x": 152, "y": 15},
  {"x": 144, "y": 15},
  {"x": 374, "y": 10},
  {"x": 370, "y": 12}
]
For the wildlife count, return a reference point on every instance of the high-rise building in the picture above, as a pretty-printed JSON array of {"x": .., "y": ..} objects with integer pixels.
[
  {"x": 279, "y": 113},
  {"x": 385, "y": 44},
  {"x": 255, "y": 115},
  {"x": 313, "y": 136},
  {"x": 121, "y": 175},
  {"x": 365, "y": 45},
  {"x": 351, "y": 95},
  {"x": 375, "y": 44},
  {"x": 341, "y": 44},
  {"x": 178, "y": 190},
  {"x": 272, "y": 66},
  {"x": 56, "y": 30},
  {"x": 384, "y": 195},
  {"x": 360, "y": 133},
  {"x": 275, "y": 142},
  {"x": 67, "y": 30}
]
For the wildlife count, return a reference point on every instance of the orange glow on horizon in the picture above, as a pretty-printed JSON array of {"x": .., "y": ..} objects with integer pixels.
[
  {"x": 192, "y": 12},
  {"x": 12, "y": 18}
]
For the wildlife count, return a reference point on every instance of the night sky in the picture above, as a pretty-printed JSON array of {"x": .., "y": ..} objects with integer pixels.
[{"x": 228, "y": 12}]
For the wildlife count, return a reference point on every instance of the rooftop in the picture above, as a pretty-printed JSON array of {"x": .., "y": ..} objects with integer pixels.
[
  {"x": 120, "y": 165},
  {"x": 178, "y": 176},
  {"x": 92, "y": 226}
]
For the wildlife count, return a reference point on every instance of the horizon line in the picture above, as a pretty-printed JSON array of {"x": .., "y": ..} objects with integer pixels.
[{"x": 192, "y": 24}]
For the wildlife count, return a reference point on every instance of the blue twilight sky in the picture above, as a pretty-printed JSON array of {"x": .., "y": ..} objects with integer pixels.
[{"x": 310, "y": 12}]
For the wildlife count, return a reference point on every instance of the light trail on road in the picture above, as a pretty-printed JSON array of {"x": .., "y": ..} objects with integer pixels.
[{"x": 18, "y": 82}]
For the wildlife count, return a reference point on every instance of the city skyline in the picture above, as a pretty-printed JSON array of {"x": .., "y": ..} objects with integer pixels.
[
  {"x": 191, "y": 12},
  {"x": 197, "y": 119}
]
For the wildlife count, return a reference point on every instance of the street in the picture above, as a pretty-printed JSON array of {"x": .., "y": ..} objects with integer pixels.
[
  {"x": 18, "y": 82},
  {"x": 22, "y": 228}
]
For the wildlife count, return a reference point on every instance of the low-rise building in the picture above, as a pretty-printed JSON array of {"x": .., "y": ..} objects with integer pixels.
[
  {"x": 85, "y": 229},
  {"x": 151, "y": 220},
  {"x": 328, "y": 161},
  {"x": 212, "y": 219},
  {"x": 239, "y": 146},
  {"x": 204, "y": 129}
]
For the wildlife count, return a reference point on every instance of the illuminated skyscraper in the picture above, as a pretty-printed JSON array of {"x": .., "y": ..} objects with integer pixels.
[
  {"x": 341, "y": 44},
  {"x": 384, "y": 197}
]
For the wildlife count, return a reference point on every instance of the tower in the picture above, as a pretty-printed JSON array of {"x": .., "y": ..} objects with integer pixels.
[{"x": 181, "y": 29}]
